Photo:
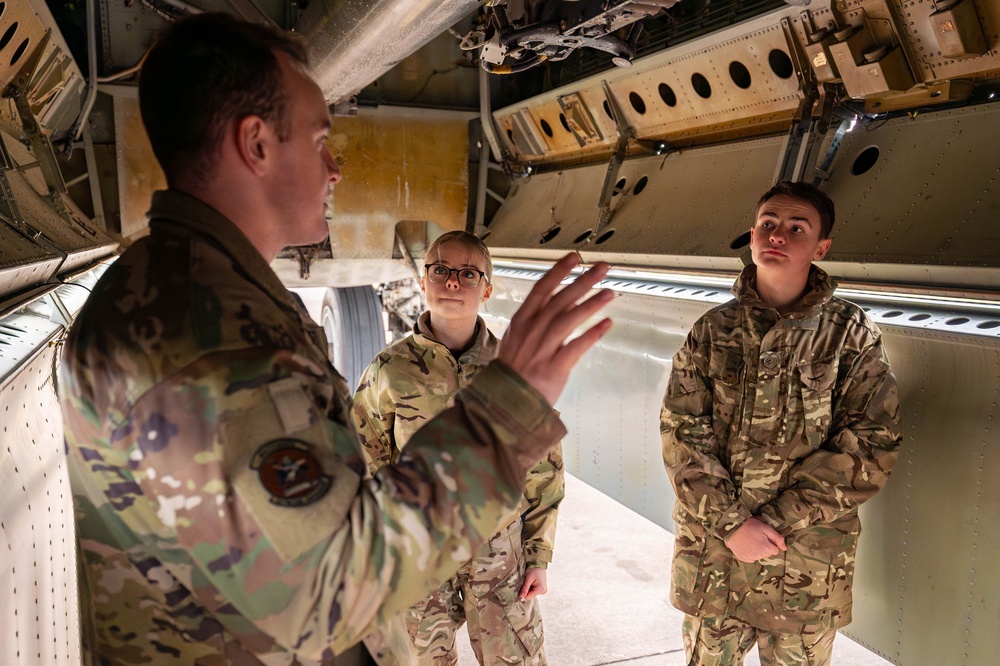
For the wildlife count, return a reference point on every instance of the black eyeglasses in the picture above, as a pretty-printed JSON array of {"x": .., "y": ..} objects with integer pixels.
[{"x": 467, "y": 277}]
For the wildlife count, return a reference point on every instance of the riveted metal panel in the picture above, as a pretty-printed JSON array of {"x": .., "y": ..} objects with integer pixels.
[
  {"x": 918, "y": 34},
  {"x": 928, "y": 590},
  {"x": 16, "y": 250},
  {"x": 38, "y": 583},
  {"x": 659, "y": 99},
  {"x": 930, "y": 196},
  {"x": 22, "y": 30},
  {"x": 39, "y": 213},
  {"x": 693, "y": 202},
  {"x": 767, "y": 96},
  {"x": 566, "y": 199}
]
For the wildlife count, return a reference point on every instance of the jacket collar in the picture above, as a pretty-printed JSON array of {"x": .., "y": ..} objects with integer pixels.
[
  {"x": 171, "y": 209},
  {"x": 484, "y": 343},
  {"x": 819, "y": 290}
]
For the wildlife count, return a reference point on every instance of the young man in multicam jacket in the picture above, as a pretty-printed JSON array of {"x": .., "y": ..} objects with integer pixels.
[
  {"x": 404, "y": 387},
  {"x": 222, "y": 513},
  {"x": 781, "y": 417}
]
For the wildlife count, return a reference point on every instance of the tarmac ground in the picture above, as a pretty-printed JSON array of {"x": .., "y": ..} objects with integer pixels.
[{"x": 607, "y": 601}]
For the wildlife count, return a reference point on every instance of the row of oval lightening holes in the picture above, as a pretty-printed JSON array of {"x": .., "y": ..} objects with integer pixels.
[
  {"x": 912, "y": 321},
  {"x": 779, "y": 61},
  {"x": 890, "y": 317},
  {"x": 8, "y": 36}
]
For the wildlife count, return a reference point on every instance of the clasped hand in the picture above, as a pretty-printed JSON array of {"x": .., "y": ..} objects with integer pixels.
[{"x": 755, "y": 540}]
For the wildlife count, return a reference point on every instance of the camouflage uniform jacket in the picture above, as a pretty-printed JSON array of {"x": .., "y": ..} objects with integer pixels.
[
  {"x": 793, "y": 419},
  {"x": 416, "y": 378},
  {"x": 217, "y": 478}
]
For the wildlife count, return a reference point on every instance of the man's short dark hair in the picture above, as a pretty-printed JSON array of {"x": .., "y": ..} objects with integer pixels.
[
  {"x": 202, "y": 74},
  {"x": 808, "y": 193}
]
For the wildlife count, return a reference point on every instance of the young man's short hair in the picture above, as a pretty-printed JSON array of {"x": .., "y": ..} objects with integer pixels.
[
  {"x": 808, "y": 193},
  {"x": 203, "y": 73}
]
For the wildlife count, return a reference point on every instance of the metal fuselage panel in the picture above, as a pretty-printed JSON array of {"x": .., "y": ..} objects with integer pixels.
[{"x": 38, "y": 581}]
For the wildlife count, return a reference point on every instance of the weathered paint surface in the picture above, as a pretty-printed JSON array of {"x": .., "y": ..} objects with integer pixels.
[
  {"x": 396, "y": 168},
  {"x": 139, "y": 175}
]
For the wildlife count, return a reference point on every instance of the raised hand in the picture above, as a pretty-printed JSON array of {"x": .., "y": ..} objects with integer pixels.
[{"x": 535, "y": 344}]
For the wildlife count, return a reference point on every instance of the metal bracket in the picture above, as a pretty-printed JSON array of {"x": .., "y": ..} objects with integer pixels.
[
  {"x": 626, "y": 133},
  {"x": 40, "y": 144},
  {"x": 802, "y": 134},
  {"x": 305, "y": 257}
]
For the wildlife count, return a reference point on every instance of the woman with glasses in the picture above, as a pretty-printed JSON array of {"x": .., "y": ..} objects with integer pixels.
[{"x": 404, "y": 387}]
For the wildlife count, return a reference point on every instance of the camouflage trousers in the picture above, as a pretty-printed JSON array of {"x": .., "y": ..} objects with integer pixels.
[
  {"x": 725, "y": 641},
  {"x": 503, "y": 629}
]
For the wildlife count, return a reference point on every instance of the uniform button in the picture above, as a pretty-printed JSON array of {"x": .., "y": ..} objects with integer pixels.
[{"x": 769, "y": 361}]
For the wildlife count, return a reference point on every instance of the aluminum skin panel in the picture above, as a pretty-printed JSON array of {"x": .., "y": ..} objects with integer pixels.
[
  {"x": 919, "y": 38},
  {"x": 20, "y": 29},
  {"x": 17, "y": 251},
  {"x": 932, "y": 195},
  {"x": 927, "y": 568},
  {"x": 926, "y": 589},
  {"x": 37, "y": 212},
  {"x": 38, "y": 585},
  {"x": 692, "y": 202},
  {"x": 723, "y": 86}
]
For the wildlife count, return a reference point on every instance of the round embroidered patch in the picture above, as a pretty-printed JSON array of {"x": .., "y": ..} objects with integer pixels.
[{"x": 290, "y": 473}]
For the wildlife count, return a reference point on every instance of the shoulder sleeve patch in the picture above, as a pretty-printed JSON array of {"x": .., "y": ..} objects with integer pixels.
[
  {"x": 290, "y": 473},
  {"x": 297, "y": 489}
]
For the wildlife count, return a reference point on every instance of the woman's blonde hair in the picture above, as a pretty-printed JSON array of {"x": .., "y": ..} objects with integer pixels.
[{"x": 470, "y": 241}]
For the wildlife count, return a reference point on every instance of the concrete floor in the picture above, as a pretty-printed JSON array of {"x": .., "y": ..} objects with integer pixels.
[{"x": 607, "y": 600}]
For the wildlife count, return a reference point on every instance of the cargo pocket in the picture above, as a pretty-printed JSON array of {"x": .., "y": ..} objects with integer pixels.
[
  {"x": 524, "y": 619},
  {"x": 725, "y": 367},
  {"x": 817, "y": 380},
  {"x": 689, "y": 552},
  {"x": 819, "y": 568}
]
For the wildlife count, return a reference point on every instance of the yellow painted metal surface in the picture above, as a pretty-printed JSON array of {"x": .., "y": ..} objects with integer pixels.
[
  {"x": 396, "y": 168},
  {"x": 139, "y": 175}
]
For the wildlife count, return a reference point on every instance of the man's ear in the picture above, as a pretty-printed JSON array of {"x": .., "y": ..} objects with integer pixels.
[
  {"x": 822, "y": 249},
  {"x": 253, "y": 137}
]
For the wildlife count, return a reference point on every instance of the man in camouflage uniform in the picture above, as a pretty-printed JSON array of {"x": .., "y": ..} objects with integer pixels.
[
  {"x": 400, "y": 391},
  {"x": 217, "y": 478},
  {"x": 780, "y": 419}
]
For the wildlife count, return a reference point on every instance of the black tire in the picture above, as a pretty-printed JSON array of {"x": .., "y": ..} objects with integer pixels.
[{"x": 355, "y": 333}]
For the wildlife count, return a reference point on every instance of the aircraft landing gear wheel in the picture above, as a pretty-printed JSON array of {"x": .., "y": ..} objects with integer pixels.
[{"x": 355, "y": 333}]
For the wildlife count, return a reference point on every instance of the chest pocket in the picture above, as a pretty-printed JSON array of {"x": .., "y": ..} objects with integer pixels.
[
  {"x": 725, "y": 369},
  {"x": 816, "y": 385}
]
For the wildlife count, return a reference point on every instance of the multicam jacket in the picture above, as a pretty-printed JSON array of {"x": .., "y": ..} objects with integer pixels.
[
  {"x": 790, "y": 418},
  {"x": 217, "y": 479},
  {"x": 416, "y": 378}
]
